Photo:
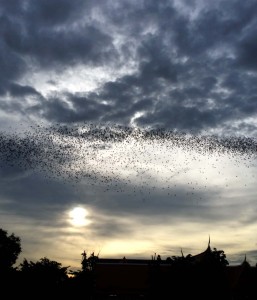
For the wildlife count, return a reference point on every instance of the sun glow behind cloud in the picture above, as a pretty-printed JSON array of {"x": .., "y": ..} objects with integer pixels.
[{"x": 79, "y": 217}]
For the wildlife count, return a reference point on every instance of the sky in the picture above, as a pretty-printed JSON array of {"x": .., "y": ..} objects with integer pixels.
[{"x": 128, "y": 128}]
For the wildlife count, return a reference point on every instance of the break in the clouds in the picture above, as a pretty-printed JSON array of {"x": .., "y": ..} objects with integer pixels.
[
  {"x": 184, "y": 66},
  {"x": 188, "y": 65}
]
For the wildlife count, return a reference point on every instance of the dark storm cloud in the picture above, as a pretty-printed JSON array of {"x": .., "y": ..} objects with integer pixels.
[
  {"x": 17, "y": 90},
  {"x": 48, "y": 33},
  {"x": 11, "y": 66},
  {"x": 83, "y": 108},
  {"x": 191, "y": 74},
  {"x": 69, "y": 47},
  {"x": 247, "y": 49}
]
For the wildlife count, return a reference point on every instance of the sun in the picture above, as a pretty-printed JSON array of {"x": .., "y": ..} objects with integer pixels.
[{"x": 78, "y": 216}]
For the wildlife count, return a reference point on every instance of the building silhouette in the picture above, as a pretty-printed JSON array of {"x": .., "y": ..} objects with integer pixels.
[{"x": 206, "y": 275}]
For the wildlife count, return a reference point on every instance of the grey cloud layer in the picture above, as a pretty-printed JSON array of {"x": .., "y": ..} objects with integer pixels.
[{"x": 60, "y": 166}]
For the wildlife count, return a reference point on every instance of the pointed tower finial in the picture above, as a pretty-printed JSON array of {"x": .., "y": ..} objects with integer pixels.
[
  {"x": 209, "y": 243},
  {"x": 245, "y": 263}
]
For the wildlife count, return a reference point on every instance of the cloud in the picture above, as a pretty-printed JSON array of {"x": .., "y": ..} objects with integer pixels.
[{"x": 184, "y": 65}]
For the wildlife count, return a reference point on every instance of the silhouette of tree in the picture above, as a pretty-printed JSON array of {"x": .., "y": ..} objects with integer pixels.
[
  {"x": 45, "y": 275},
  {"x": 49, "y": 270},
  {"x": 88, "y": 263},
  {"x": 83, "y": 281},
  {"x": 10, "y": 248},
  {"x": 180, "y": 260},
  {"x": 158, "y": 258},
  {"x": 220, "y": 257}
]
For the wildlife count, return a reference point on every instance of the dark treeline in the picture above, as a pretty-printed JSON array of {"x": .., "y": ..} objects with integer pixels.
[
  {"x": 43, "y": 278},
  {"x": 203, "y": 276}
]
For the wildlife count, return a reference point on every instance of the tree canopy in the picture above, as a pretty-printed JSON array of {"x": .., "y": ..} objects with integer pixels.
[{"x": 10, "y": 248}]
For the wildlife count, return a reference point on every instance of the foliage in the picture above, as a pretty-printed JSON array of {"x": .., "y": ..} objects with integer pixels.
[
  {"x": 44, "y": 269},
  {"x": 88, "y": 263},
  {"x": 180, "y": 260},
  {"x": 10, "y": 248},
  {"x": 220, "y": 257}
]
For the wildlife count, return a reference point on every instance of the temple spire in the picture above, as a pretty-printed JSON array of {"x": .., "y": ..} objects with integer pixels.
[
  {"x": 182, "y": 253},
  {"x": 209, "y": 242}
]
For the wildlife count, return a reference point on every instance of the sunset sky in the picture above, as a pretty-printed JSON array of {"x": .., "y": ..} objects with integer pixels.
[{"x": 128, "y": 128}]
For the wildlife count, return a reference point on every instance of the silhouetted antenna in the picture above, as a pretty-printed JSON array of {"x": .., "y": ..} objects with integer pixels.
[{"x": 154, "y": 256}]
